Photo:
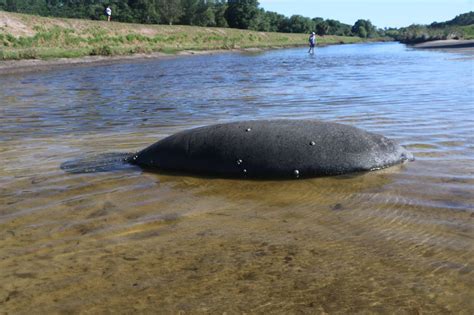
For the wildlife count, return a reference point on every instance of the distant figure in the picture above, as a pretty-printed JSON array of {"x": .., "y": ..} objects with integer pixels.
[
  {"x": 108, "y": 12},
  {"x": 312, "y": 42}
]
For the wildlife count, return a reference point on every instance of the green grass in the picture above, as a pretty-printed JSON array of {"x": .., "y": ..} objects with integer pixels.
[
  {"x": 45, "y": 38},
  {"x": 421, "y": 33},
  {"x": 468, "y": 31}
]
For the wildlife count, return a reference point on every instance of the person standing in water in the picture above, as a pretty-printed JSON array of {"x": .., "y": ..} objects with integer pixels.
[
  {"x": 312, "y": 42},
  {"x": 108, "y": 12}
]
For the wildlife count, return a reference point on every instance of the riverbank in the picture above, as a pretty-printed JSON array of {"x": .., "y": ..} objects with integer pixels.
[
  {"x": 33, "y": 37},
  {"x": 31, "y": 42},
  {"x": 34, "y": 65}
]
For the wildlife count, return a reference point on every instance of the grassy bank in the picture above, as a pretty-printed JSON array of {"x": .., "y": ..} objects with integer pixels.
[
  {"x": 32, "y": 37},
  {"x": 421, "y": 33}
]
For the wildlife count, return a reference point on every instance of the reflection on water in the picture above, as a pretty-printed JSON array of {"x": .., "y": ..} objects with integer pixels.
[{"x": 396, "y": 240}]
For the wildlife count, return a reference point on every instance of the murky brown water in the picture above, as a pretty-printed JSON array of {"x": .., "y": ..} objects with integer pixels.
[{"x": 393, "y": 241}]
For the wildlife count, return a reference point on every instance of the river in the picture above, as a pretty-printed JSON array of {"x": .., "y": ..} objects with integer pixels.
[{"x": 399, "y": 240}]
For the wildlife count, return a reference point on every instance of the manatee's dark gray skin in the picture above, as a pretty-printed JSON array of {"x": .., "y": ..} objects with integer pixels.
[{"x": 272, "y": 149}]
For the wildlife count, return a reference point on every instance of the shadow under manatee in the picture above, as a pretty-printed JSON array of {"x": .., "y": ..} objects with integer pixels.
[
  {"x": 329, "y": 190},
  {"x": 106, "y": 162}
]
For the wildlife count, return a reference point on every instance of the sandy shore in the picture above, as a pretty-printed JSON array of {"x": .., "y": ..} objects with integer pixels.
[{"x": 441, "y": 44}]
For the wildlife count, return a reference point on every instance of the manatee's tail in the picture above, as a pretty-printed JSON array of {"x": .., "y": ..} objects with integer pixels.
[
  {"x": 131, "y": 158},
  {"x": 105, "y": 162}
]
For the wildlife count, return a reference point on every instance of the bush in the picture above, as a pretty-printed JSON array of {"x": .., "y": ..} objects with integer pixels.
[
  {"x": 104, "y": 50},
  {"x": 140, "y": 50},
  {"x": 28, "y": 54}
]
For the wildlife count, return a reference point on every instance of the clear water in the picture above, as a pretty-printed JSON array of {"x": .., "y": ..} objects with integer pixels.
[{"x": 393, "y": 241}]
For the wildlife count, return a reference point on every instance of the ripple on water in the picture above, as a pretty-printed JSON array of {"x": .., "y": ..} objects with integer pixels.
[{"x": 395, "y": 240}]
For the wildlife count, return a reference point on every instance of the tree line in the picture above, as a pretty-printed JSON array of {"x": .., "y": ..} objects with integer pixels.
[
  {"x": 243, "y": 14},
  {"x": 462, "y": 26}
]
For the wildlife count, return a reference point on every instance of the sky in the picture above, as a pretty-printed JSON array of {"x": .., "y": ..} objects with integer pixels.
[{"x": 382, "y": 13}]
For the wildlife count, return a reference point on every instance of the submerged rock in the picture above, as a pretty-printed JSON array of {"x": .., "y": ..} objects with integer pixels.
[{"x": 272, "y": 149}]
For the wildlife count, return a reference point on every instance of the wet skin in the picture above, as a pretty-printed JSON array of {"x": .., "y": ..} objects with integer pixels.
[{"x": 272, "y": 149}]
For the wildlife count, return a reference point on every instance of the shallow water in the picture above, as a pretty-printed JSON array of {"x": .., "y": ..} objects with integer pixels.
[{"x": 397, "y": 240}]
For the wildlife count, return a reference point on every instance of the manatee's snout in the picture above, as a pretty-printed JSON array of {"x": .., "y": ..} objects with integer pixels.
[{"x": 407, "y": 156}]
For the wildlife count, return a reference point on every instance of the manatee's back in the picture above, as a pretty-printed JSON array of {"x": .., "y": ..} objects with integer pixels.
[{"x": 277, "y": 148}]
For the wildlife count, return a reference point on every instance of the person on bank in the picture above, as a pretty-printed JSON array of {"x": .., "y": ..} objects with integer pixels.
[
  {"x": 312, "y": 42},
  {"x": 108, "y": 12}
]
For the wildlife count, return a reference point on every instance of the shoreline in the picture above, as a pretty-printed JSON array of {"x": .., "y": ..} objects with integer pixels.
[
  {"x": 11, "y": 67},
  {"x": 36, "y": 65},
  {"x": 447, "y": 43}
]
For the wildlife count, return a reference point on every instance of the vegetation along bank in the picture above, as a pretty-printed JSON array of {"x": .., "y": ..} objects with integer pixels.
[
  {"x": 43, "y": 29},
  {"x": 461, "y": 27},
  {"x": 25, "y": 36}
]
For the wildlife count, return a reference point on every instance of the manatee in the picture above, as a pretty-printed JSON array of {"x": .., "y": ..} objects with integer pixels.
[{"x": 272, "y": 149}]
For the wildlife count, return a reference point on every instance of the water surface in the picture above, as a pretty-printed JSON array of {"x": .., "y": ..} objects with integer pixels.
[{"x": 396, "y": 240}]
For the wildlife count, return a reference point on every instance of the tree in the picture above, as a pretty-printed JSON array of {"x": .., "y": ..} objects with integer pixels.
[
  {"x": 242, "y": 13},
  {"x": 190, "y": 8},
  {"x": 220, "y": 8},
  {"x": 171, "y": 10},
  {"x": 462, "y": 19},
  {"x": 322, "y": 28},
  {"x": 275, "y": 21},
  {"x": 356, "y": 29},
  {"x": 121, "y": 11},
  {"x": 145, "y": 11},
  {"x": 362, "y": 32},
  {"x": 364, "y": 29},
  {"x": 338, "y": 28},
  {"x": 10, "y": 5},
  {"x": 25, "y": 6},
  {"x": 262, "y": 23},
  {"x": 300, "y": 24},
  {"x": 318, "y": 20},
  {"x": 205, "y": 14}
]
